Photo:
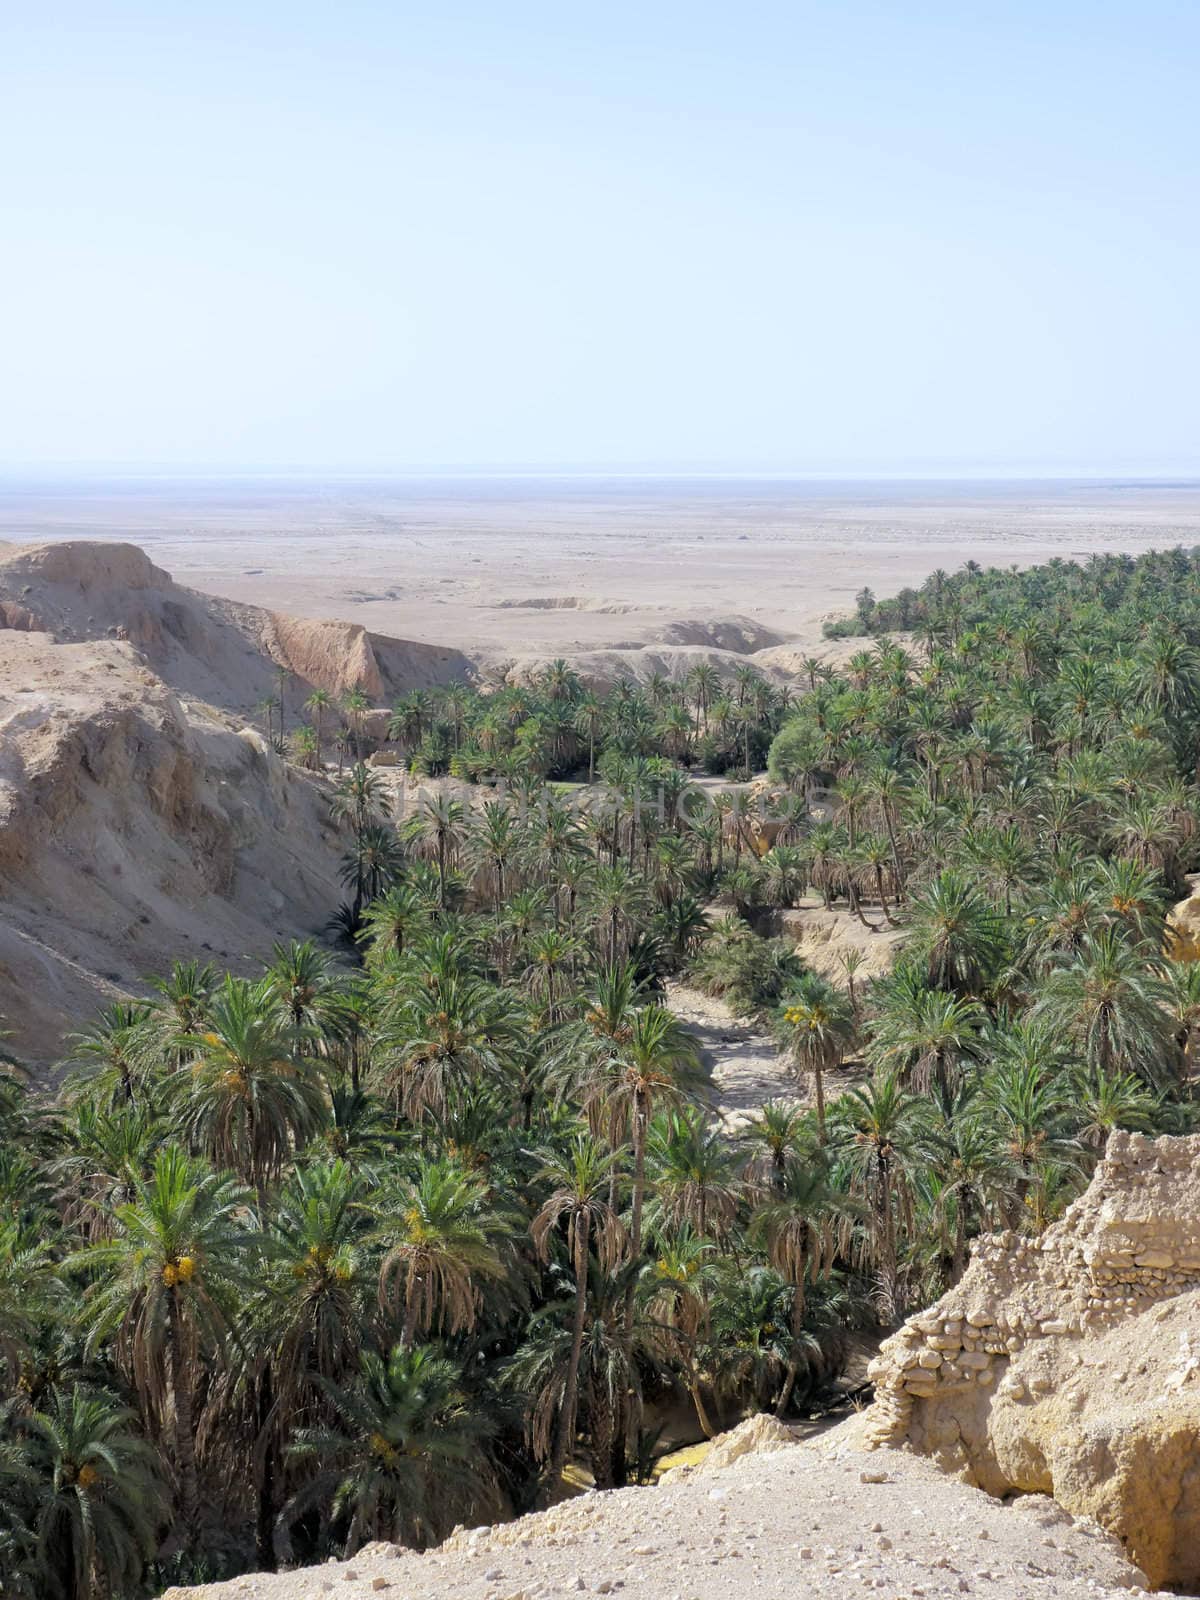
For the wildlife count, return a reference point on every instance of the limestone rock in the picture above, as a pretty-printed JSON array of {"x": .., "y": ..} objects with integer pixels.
[{"x": 1086, "y": 1386}]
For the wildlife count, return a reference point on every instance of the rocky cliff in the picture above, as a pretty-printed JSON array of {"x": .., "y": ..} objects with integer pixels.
[
  {"x": 141, "y": 819},
  {"x": 1069, "y": 1364}
]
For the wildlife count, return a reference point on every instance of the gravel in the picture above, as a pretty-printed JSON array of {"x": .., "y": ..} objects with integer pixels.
[{"x": 820, "y": 1518}]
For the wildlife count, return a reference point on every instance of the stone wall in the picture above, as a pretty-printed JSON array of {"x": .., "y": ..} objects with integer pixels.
[{"x": 1063, "y": 1364}]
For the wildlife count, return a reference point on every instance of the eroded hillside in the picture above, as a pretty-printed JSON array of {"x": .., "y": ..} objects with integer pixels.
[{"x": 141, "y": 819}]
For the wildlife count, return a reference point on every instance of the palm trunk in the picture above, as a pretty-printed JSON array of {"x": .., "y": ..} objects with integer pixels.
[
  {"x": 601, "y": 1422},
  {"x": 793, "y": 1366},
  {"x": 264, "y": 1524},
  {"x": 178, "y": 1381},
  {"x": 891, "y": 1285},
  {"x": 890, "y": 823},
  {"x": 882, "y": 896},
  {"x": 707, "y": 1428},
  {"x": 856, "y": 904},
  {"x": 566, "y": 1421},
  {"x": 640, "y": 1122}
]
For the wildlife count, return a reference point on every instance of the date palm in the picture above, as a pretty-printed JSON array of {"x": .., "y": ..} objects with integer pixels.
[
  {"x": 446, "y": 1033},
  {"x": 405, "y": 1457},
  {"x": 250, "y": 1098},
  {"x": 816, "y": 1023},
  {"x": 493, "y": 844},
  {"x": 876, "y": 1141},
  {"x": 298, "y": 980},
  {"x": 437, "y": 830},
  {"x": 956, "y": 933},
  {"x": 693, "y": 1175},
  {"x": 319, "y": 705},
  {"x": 99, "y": 1495},
  {"x": 104, "y": 1153},
  {"x": 802, "y": 1226},
  {"x": 1026, "y": 1101},
  {"x": 581, "y": 1181},
  {"x": 926, "y": 1033},
  {"x": 115, "y": 1059},
  {"x": 163, "y": 1290},
  {"x": 1113, "y": 1007},
  {"x": 617, "y": 897},
  {"x": 675, "y": 1285},
  {"x": 442, "y": 1240},
  {"x": 780, "y": 1130},
  {"x": 390, "y": 920}
]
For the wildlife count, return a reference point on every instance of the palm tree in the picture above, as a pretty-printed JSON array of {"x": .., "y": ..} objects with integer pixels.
[
  {"x": 103, "y": 1155},
  {"x": 694, "y": 1179},
  {"x": 1104, "y": 1101},
  {"x": 375, "y": 862},
  {"x": 580, "y": 1181},
  {"x": 445, "y": 1034},
  {"x": 441, "y": 1238},
  {"x": 494, "y": 843},
  {"x": 405, "y": 1457},
  {"x": 305, "y": 748},
  {"x": 925, "y": 1033},
  {"x": 251, "y": 1097},
  {"x": 100, "y": 1498},
  {"x": 675, "y": 1285},
  {"x": 298, "y": 979},
  {"x": 117, "y": 1055},
  {"x": 705, "y": 683},
  {"x": 876, "y": 1139},
  {"x": 319, "y": 704},
  {"x": 801, "y": 1225},
  {"x": 653, "y": 1066},
  {"x": 183, "y": 1003},
  {"x": 973, "y": 1168},
  {"x": 391, "y": 919},
  {"x": 780, "y": 1130},
  {"x": 360, "y": 798},
  {"x": 315, "y": 1252},
  {"x": 1109, "y": 1002},
  {"x": 617, "y": 896},
  {"x": 957, "y": 934},
  {"x": 437, "y": 829},
  {"x": 1030, "y": 1113},
  {"x": 817, "y": 1024},
  {"x": 356, "y": 705},
  {"x": 163, "y": 1288}
]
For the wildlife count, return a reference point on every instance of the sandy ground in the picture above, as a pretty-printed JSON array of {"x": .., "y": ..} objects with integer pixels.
[
  {"x": 518, "y": 567},
  {"x": 742, "y": 1063},
  {"x": 820, "y": 1518}
]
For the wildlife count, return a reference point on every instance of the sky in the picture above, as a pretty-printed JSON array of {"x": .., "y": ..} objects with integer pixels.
[{"x": 785, "y": 238}]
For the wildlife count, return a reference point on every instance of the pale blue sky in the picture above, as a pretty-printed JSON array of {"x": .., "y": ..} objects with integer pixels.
[{"x": 827, "y": 238}]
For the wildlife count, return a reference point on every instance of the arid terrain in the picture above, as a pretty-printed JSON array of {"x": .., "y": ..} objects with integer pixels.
[
  {"x": 514, "y": 570},
  {"x": 818, "y": 1517},
  {"x": 141, "y": 819}
]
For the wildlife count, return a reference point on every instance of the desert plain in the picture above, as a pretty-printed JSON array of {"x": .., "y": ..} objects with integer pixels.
[{"x": 509, "y": 569}]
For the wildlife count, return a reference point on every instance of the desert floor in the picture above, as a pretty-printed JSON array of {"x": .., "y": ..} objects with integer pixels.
[{"x": 519, "y": 566}]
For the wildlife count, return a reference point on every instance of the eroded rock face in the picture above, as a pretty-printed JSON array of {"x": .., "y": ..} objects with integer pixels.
[{"x": 1070, "y": 1364}]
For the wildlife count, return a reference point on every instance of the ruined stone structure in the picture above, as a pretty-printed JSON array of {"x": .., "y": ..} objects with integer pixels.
[{"x": 1070, "y": 1364}]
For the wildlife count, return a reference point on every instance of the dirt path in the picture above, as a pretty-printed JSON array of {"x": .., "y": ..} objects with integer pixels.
[{"x": 742, "y": 1063}]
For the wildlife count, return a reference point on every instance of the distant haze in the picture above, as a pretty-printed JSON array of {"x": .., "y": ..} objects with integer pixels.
[{"x": 779, "y": 237}]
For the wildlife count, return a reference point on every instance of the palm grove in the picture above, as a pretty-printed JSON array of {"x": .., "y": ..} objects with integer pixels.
[{"x": 389, "y": 1236}]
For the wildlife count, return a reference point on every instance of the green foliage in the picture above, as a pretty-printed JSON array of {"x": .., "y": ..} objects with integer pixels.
[{"x": 380, "y": 1239}]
